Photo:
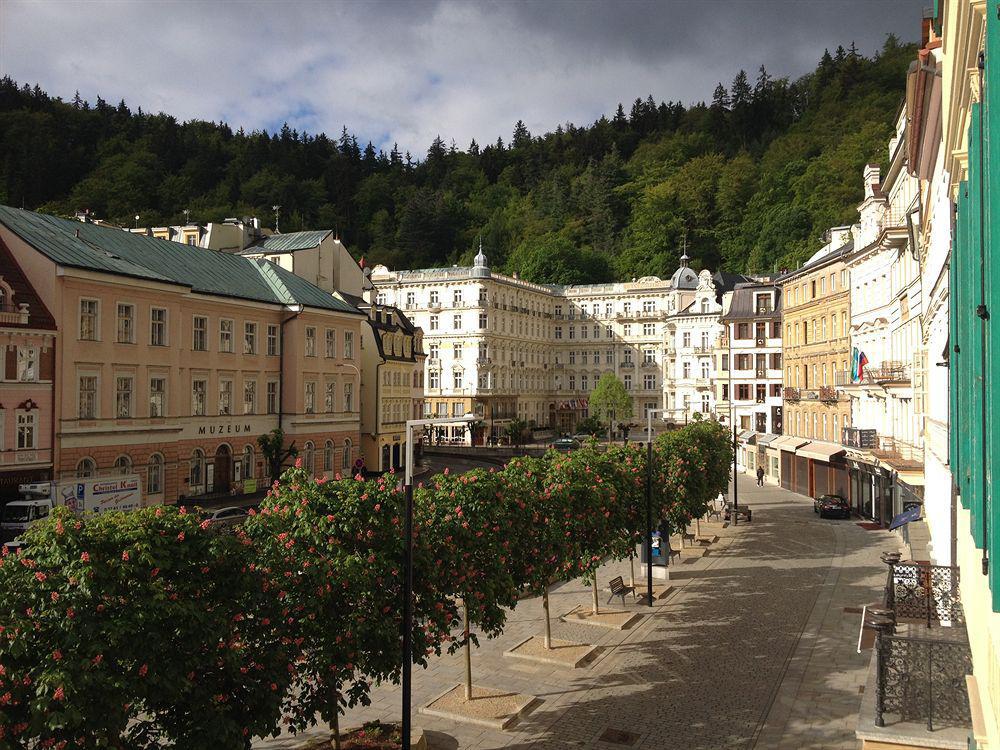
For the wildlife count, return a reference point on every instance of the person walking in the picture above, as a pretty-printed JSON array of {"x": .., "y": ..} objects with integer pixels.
[{"x": 760, "y": 476}]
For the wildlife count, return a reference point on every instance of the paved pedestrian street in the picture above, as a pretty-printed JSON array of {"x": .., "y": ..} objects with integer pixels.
[{"x": 754, "y": 647}]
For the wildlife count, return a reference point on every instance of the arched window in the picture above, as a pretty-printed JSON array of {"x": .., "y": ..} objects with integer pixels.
[
  {"x": 86, "y": 468},
  {"x": 154, "y": 475},
  {"x": 123, "y": 465},
  {"x": 345, "y": 462},
  {"x": 196, "y": 472},
  {"x": 328, "y": 456},
  {"x": 309, "y": 457},
  {"x": 248, "y": 463}
]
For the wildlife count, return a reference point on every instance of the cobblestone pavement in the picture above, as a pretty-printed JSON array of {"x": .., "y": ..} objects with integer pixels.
[{"x": 753, "y": 649}]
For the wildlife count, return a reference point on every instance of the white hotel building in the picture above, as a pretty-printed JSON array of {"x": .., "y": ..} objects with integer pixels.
[{"x": 503, "y": 347}]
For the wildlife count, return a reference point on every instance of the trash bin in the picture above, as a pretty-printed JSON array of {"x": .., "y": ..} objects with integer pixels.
[{"x": 659, "y": 548}]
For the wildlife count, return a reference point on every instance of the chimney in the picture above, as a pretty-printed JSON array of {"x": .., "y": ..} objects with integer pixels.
[{"x": 872, "y": 176}]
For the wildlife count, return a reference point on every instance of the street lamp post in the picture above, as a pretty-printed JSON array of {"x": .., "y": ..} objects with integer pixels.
[
  {"x": 649, "y": 507},
  {"x": 730, "y": 331},
  {"x": 467, "y": 420}
]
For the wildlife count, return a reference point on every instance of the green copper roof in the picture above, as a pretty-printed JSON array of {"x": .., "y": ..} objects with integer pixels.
[
  {"x": 286, "y": 243},
  {"x": 78, "y": 245}
]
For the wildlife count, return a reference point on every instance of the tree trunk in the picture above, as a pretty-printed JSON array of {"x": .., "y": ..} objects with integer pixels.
[
  {"x": 336, "y": 717},
  {"x": 597, "y": 606},
  {"x": 468, "y": 655},
  {"x": 697, "y": 525},
  {"x": 548, "y": 623}
]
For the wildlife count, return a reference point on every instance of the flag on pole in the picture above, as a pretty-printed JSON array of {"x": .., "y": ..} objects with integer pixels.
[
  {"x": 862, "y": 361},
  {"x": 854, "y": 365}
]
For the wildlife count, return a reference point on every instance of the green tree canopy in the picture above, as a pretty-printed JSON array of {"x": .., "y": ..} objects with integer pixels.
[{"x": 610, "y": 400}]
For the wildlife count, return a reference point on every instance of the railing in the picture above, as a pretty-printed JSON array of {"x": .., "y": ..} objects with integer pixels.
[
  {"x": 704, "y": 349},
  {"x": 627, "y": 365},
  {"x": 899, "y": 451},
  {"x": 921, "y": 679},
  {"x": 854, "y": 437},
  {"x": 887, "y": 372},
  {"x": 828, "y": 394},
  {"x": 791, "y": 394},
  {"x": 929, "y": 593},
  {"x": 650, "y": 363}
]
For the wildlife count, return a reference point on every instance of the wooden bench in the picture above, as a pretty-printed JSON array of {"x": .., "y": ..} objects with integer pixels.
[
  {"x": 687, "y": 536},
  {"x": 713, "y": 510},
  {"x": 618, "y": 588}
]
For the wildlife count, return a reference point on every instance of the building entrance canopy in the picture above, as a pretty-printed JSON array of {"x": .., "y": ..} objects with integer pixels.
[{"x": 820, "y": 451}]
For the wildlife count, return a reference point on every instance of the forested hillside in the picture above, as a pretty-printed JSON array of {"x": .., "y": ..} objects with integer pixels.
[{"x": 751, "y": 178}]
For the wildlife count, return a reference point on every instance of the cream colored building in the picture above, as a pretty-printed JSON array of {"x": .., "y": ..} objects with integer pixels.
[
  {"x": 503, "y": 347},
  {"x": 951, "y": 150}
]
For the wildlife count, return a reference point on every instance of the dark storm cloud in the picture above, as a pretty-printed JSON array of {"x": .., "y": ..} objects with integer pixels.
[{"x": 405, "y": 72}]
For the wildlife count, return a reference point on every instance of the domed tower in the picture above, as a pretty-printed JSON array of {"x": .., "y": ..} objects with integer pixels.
[
  {"x": 684, "y": 277},
  {"x": 480, "y": 267}
]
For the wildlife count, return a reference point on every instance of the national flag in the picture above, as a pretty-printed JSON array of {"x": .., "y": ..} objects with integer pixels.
[
  {"x": 862, "y": 361},
  {"x": 854, "y": 365}
]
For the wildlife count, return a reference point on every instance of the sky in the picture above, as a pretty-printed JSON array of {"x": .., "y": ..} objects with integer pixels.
[{"x": 407, "y": 71}]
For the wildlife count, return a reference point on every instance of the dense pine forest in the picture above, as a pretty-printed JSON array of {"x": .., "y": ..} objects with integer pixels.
[{"x": 751, "y": 179}]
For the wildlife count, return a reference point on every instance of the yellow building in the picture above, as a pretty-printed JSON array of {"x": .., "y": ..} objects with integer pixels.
[
  {"x": 392, "y": 383},
  {"x": 816, "y": 320}
]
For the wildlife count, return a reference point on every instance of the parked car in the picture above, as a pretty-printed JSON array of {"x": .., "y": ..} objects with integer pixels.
[
  {"x": 227, "y": 516},
  {"x": 565, "y": 444},
  {"x": 583, "y": 437},
  {"x": 832, "y": 505}
]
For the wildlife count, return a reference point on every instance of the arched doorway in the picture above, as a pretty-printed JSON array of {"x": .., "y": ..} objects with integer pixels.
[
  {"x": 385, "y": 459},
  {"x": 223, "y": 469}
]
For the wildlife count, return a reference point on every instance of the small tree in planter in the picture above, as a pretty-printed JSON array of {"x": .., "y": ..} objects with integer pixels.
[
  {"x": 136, "y": 629},
  {"x": 592, "y": 511},
  {"x": 333, "y": 551},
  {"x": 535, "y": 543},
  {"x": 464, "y": 520}
]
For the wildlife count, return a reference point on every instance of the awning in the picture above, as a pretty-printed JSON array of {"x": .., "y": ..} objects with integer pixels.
[
  {"x": 910, "y": 514},
  {"x": 912, "y": 478},
  {"x": 746, "y": 436},
  {"x": 766, "y": 438},
  {"x": 788, "y": 443},
  {"x": 820, "y": 451}
]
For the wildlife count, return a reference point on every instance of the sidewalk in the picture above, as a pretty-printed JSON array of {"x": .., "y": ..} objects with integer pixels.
[{"x": 753, "y": 648}]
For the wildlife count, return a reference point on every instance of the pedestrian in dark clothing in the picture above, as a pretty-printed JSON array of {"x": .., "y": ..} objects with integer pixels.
[{"x": 760, "y": 476}]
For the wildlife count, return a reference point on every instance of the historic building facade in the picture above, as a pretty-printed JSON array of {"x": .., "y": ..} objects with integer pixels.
[
  {"x": 749, "y": 371},
  {"x": 885, "y": 380},
  {"x": 27, "y": 376},
  {"x": 816, "y": 346},
  {"x": 392, "y": 383},
  {"x": 953, "y": 111},
  {"x": 172, "y": 360},
  {"x": 505, "y": 348}
]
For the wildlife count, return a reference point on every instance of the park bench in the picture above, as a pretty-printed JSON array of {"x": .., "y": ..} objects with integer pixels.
[
  {"x": 687, "y": 536},
  {"x": 713, "y": 510},
  {"x": 618, "y": 588}
]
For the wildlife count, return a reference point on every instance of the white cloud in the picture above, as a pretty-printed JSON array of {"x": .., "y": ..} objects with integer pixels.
[{"x": 407, "y": 72}]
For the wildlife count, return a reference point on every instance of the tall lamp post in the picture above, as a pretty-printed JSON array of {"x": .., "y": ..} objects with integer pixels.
[
  {"x": 649, "y": 507},
  {"x": 730, "y": 331},
  {"x": 465, "y": 421}
]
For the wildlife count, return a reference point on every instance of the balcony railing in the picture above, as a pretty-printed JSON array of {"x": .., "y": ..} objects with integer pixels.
[
  {"x": 828, "y": 394},
  {"x": 922, "y": 680},
  {"x": 704, "y": 349},
  {"x": 791, "y": 394},
  {"x": 928, "y": 593},
  {"x": 900, "y": 453},
  {"x": 885, "y": 373}
]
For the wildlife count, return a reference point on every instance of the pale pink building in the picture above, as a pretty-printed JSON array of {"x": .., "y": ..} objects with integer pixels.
[
  {"x": 27, "y": 346},
  {"x": 171, "y": 360}
]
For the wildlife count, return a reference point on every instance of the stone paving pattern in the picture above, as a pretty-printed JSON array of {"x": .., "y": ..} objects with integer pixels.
[{"x": 752, "y": 648}]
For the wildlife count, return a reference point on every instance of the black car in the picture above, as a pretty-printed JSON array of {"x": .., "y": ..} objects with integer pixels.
[{"x": 832, "y": 505}]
